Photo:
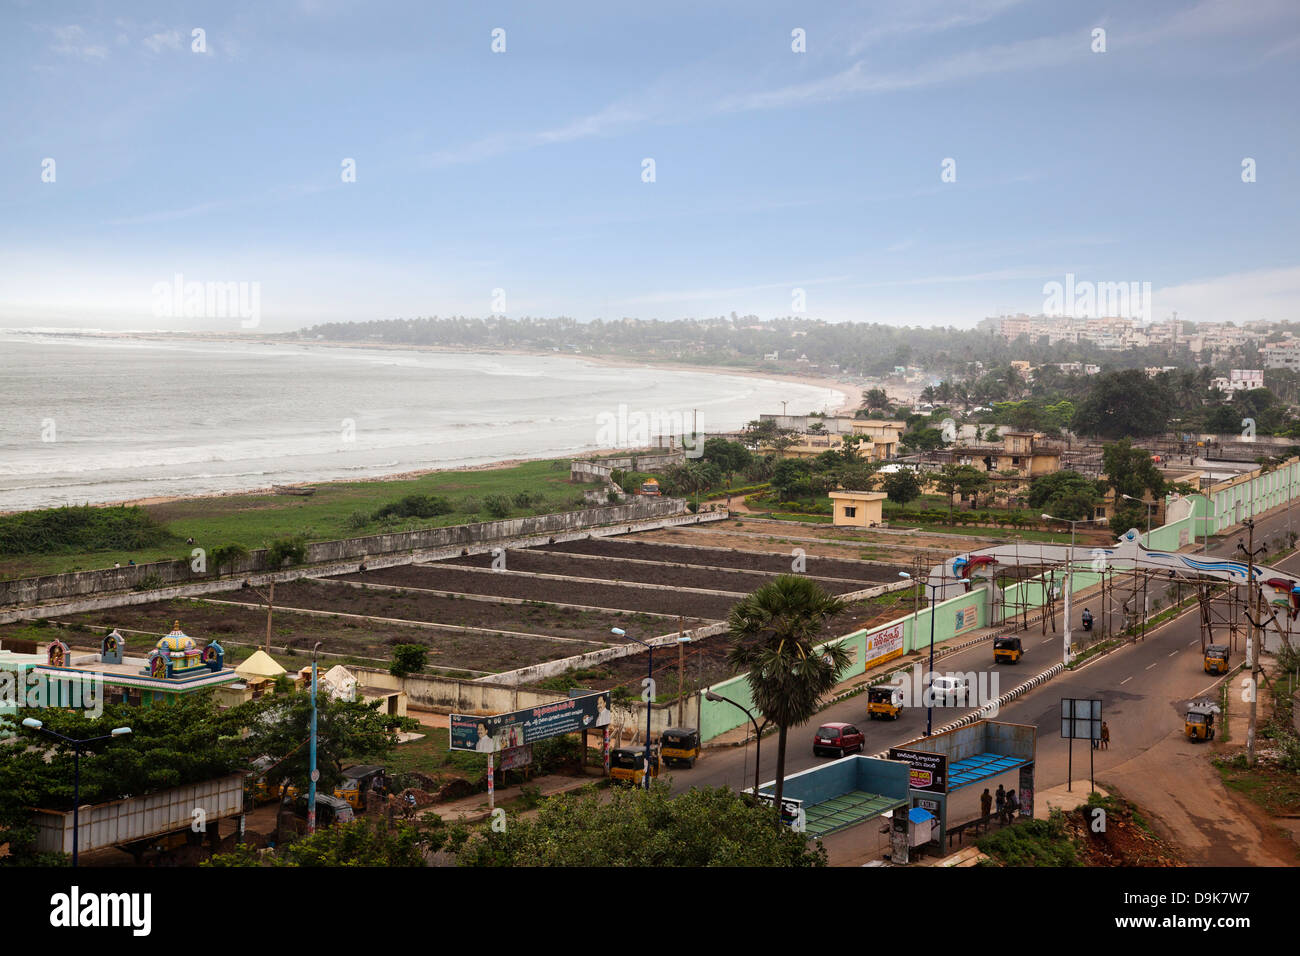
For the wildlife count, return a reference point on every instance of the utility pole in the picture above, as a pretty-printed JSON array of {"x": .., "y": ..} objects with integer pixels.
[{"x": 1253, "y": 638}]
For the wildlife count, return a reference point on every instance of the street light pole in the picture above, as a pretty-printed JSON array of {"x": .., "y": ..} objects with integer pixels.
[
  {"x": 758, "y": 734},
  {"x": 1069, "y": 582},
  {"x": 649, "y": 700},
  {"x": 32, "y": 723},
  {"x": 315, "y": 774},
  {"x": 1256, "y": 636}
]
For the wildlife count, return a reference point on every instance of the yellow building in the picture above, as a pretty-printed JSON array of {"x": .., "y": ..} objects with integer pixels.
[
  {"x": 857, "y": 509},
  {"x": 884, "y": 436},
  {"x": 1025, "y": 453}
]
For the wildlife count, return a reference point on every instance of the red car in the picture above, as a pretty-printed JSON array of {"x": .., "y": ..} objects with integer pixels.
[{"x": 837, "y": 739}]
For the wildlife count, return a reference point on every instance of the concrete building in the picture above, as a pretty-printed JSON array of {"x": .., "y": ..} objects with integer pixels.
[{"x": 858, "y": 509}]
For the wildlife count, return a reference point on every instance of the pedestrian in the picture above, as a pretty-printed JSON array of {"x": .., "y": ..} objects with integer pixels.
[
  {"x": 1012, "y": 806},
  {"x": 1002, "y": 804},
  {"x": 1105, "y": 736},
  {"x": 986, "y": 804}
]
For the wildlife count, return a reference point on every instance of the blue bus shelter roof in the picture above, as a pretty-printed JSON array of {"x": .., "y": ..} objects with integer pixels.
[{"x": 972, "y": 770}]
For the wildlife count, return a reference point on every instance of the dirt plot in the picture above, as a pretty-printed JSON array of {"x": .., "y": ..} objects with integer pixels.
[
  {"x": 436, "y": 609},
  {"x": 443, "y": 577},
  {"x": 486, "y": 653},
  {"x": 612, "y": 569},
  {"x": 706, "y": 659},
  {"x": 748, "y": 560}
]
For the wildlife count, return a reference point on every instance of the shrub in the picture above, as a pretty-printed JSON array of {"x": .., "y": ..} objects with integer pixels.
[
  {"x": 408, "y": 659},
  {"x": 497, "y": 506}
]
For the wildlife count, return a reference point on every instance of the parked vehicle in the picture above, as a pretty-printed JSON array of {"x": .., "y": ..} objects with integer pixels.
[
  {"x": 627, "y": 765},
  {"x": 357, "y": 781},
  {"x": 949, "y": 690},
  {"x": 884, "y": 701},
  {"x": 329, "y": 810},
  {"x": 1007, "y": 650},
  {"x": 680, "y": 745},
  {"x": 837, "y": 739},
  {"x": 1199, "y": 722},
  {"x": 1216, "y": 659}
]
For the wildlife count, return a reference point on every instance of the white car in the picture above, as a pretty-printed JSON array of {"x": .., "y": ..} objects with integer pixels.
[{"x": 949, "y": 689}]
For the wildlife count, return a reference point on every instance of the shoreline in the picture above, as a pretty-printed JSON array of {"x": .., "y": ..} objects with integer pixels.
[{"x": 847, "y": 404}]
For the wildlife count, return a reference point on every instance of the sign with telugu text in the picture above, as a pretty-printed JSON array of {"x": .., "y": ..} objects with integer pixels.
[
  {"x": 885, "y": 644},
  {"x": 490, "y": 734}
]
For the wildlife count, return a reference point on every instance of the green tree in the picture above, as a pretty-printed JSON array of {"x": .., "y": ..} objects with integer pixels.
[
  {"x": 362, "y": 842},
  {"x": 1065, "y": 494},
  {"x": 966, "y": 479},
  {"x": 291, "y": 550},
  {"x": 408, "y": 659},
  {"x": 644, "y": 828},
  {"x": 773, "y": 633},
  {"x": 1130, "y": 471},
  {"x": 901, "y": 486},
  {"x": 225, "y": 555},
  {"x": 875, "y": 399},
  {"x": 1126, "y": 403}
]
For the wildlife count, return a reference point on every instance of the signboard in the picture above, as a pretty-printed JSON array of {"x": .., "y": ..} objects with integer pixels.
[
  {"x": 517, "y": 757},
  {"x": 1080, "y": 719},
  {"x": 522, "y": 727},
  {"x": 927, "y": 771},
  {"x": 966, "y": 618},
  {"x": 885, "y": 644},
  {"x": 791, "y": 809}
]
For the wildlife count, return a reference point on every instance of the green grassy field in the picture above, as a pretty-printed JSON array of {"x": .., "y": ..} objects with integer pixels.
[{"x": 337, "y": 510}]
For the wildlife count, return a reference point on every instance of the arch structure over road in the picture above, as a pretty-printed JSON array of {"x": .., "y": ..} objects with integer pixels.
[{"x": 1279, "y": 590}]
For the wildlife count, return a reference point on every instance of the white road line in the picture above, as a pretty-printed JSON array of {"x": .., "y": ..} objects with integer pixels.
[
  {"x": 1171, "y": 653},
  {"x": 1125, "y": 681},
  {"x": 1197, "y": 641},
  {"x": 1149, "y": 666}
]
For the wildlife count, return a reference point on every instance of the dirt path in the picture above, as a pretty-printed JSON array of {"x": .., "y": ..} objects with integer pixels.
[{"x": 1175, "y": 783}]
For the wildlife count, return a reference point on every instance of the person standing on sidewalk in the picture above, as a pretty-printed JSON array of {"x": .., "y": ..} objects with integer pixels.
[
  {"x": 1002, "y": 804},
  {"x": 1105, "y": 736},
  {"x": 986, "y": 804}
]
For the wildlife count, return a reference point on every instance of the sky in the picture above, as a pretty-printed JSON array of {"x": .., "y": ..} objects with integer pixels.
[{"x": 918, "y": 163}]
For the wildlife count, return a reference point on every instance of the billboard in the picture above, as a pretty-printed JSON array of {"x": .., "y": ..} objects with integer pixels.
[
  {"x": 928, "y": 771},
  {"x": 1080, "y": 718},
  {"x": 522, "y": 727},
  {"x": 885, "y": 644},
  {"x": 965, "y": 618}
]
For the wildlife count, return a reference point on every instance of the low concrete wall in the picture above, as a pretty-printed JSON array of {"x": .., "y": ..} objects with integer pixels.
[
  {"x": 52, "y": 587},
  {"x": 211, "y": 585}
]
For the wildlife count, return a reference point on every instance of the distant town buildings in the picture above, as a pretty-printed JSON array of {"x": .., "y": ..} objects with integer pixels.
[
  {"x": 1239, "y": 380},
  {"x": 1117, "y": 333}
]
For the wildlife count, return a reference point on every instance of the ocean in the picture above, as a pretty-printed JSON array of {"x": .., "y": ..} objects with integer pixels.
[{"x": 96, "y": 419}]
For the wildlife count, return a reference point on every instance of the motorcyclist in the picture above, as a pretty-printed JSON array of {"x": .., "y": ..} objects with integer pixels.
[{"x": 1087, "y": 619}]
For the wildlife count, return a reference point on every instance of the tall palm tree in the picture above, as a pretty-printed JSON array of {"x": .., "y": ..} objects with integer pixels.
[{"x": 773, "y": 632}]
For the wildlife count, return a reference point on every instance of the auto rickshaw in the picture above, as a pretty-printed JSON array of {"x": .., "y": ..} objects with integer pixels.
[
  {"x": 1007, "y": 650},
  {"x": 884, "y": 700},
  {"x": 1216, "y": 659},
  {"x": 329, "y": 810},
  {"x": 679, "y": 745},
  {"x": 626, "y": 765},
  {"x": 357, "y": 781},
  {"x": 1199, "y": 723}
]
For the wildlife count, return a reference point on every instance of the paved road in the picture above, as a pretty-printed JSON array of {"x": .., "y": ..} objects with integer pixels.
[{"x": 1143, "y": 687}]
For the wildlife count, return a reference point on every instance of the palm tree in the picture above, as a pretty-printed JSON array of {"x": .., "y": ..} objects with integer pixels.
[{"x": 773, "y": 632}]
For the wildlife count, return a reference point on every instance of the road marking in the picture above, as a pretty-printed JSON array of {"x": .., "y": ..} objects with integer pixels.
[
  {"x": 1149, "y": 666},
  {"x": 1197, "y": 641},
  {"x": 1125, "y": 681},
  {"x": 1171, "y": 653}
]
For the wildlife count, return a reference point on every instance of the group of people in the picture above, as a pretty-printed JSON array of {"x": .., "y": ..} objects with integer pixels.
[{"x": 1007, "y": 804}]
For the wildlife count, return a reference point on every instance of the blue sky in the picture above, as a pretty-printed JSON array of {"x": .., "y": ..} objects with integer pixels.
[{"x": 522, "y": 170}]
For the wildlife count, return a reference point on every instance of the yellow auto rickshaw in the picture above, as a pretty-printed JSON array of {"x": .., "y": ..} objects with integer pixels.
[
  {"x": 357, "y": 781},
  {"x": 1007, "y": 650},
  {"x": 627, "y": 765},
  {"x": 1216, "y": 659},
  {"x": 679, "y": 745},
  {"x": 884, "y": 701},
  {"x": 1199, "y": 722}
]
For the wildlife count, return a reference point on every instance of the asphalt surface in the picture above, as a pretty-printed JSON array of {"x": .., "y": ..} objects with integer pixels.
[{"x": 1143, "y": 688}]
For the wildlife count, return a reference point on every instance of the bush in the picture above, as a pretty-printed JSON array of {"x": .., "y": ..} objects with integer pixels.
[
  {"x": 293, "y": 550},
  {"x": 408, "y": 659},
  {"x": 415, "y": 506},
  {"x": 497, "y": 506},
  {"x": 84, "y": 528}
]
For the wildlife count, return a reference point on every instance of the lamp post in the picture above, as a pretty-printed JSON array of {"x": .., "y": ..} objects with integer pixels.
[
  {"x": 649, "y": 700},
  {"x": 1150, "y": 506},
  {"x": 1069, "y": 580},
  {"x": 315, "y": 774},
  {"x": 929, "y": 707},
  {"x": 758, "y": 738},
  {"x": 32, "y": 723}
]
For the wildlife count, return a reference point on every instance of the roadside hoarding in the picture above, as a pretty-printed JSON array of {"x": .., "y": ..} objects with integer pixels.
[
  {"x": 1080, "y": 719},
  {"x": 884, "y": 644},
  {"x": 927, "y": 771},
  {"x": 966, "y": 618},
  {"x": 522, "y": 727}
]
